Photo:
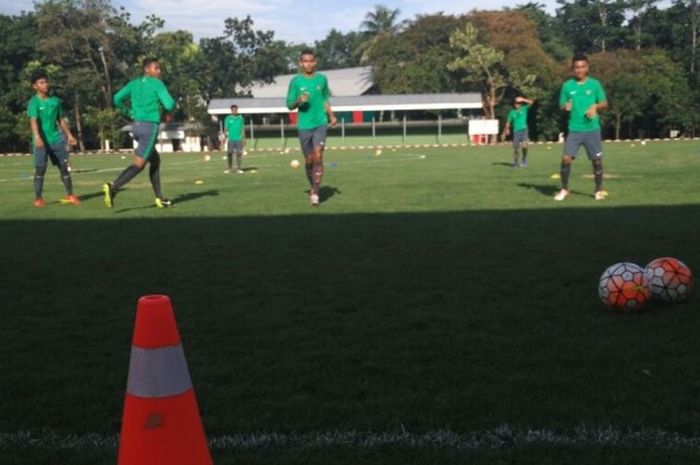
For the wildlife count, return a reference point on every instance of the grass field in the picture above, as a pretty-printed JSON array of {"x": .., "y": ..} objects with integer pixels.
[{"x": 438, "y": 307}]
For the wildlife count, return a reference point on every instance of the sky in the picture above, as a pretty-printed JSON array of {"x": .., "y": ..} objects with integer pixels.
[{"x": 292, "y": 20}]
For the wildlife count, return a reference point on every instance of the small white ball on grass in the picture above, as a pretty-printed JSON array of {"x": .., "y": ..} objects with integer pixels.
[
  {"x": 207, "y": 157},
  {"x": 295, "y": 164}
]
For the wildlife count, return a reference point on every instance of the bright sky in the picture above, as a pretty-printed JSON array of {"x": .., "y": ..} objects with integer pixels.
[{"x": 291, "y": 20}]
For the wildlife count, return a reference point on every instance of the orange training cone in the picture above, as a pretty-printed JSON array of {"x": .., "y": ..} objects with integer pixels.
[{"x": 161, "y": 423}]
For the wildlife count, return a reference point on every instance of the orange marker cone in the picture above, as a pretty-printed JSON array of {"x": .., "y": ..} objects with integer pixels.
[{"x": 161, "y": 423}]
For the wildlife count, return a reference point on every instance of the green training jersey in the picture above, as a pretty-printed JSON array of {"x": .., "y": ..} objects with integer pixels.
[
  {"x": 312, "y": 114},
  {"x": 148, "y": 96},
  {"x": 582, "y": 95},
  {"x": 233, "y": 125},
  {"x": 47, "y": 113},
  {"x": 518, "y": 118}
]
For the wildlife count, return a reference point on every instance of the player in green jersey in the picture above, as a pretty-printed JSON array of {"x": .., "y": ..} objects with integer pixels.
[
  {"x": 45, "y": 117},
  {"x": 234, "y": 128},
  {"x": 517, "y": 121},
  {"x": 148, "y": 96},
  {"x": 309, "y": 93},
  {"x": 583, "y": 97}
]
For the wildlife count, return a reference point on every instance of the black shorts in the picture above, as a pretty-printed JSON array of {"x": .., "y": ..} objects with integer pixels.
[
  {"x": 312, "y": 138},
  {"x": 591, "y": 140},
  {"x": 57, "y": 153}
]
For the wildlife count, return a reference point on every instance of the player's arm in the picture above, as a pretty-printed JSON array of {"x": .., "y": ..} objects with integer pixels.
[
  {"x": 120, "y": 99},
  {"x": 33, "y": 115},
  {"x": 564, "y": 101},
  {"x": 524, "y": 100},
  {"x": 327, "y": 104},
  {"x": 165, "y": 98},
  {"x": 34, "y": 124},
  {"x": 506, "y": 129},
  {"x": 293, "y": 97},
  {"x": 66, "y": 130},
  {"x": 329, "y": 111},
  {"x": 600, "y": 105}
]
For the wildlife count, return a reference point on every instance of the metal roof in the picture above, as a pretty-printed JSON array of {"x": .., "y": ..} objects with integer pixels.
[
  {"x": 405, "y": 102},
  {"x": 343, "y": 82}
]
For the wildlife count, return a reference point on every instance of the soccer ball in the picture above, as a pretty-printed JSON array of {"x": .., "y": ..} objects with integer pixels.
[
  {"x": 670, "y": 280},
  {"x": 295, "y": 164},
  {"x": 207, "y": 157},
  {"x": 624, "y": 285}
]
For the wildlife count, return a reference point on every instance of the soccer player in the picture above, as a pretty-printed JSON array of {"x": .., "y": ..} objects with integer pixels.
[
  {"x": 45, "y": 117},
  {"x": 148, "y": 96},
  {"x": 517, "y": 121},
  {"x": 308, "y": 92},
  {"x": 234, "y": 127},
  {"x": 583, "y": 97}
]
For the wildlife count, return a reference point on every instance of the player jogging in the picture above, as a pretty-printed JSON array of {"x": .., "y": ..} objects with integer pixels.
[
  {"x": 517, "y": 121},
  {"x": 583, "y": 97},
  {"x": 45, "y": 117},
  {"x": 309, "y": 93},
  {"x": 234, "y": 128},
  {"x": 148, "y": 95}
]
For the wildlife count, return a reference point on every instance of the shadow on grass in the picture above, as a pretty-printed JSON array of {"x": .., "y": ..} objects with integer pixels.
[
  {"x": 177, "y": 200},
  {"x": 502, "y": 163},
  {"x": 548, "y": 189},
  {"x": 327, "y": 192},
  {"x": 354, "y": 321}
]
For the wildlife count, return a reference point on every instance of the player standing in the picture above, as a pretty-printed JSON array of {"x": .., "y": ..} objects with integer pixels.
[
  {"x": 234, "y": 127},
  {"x": 148, "y": 95},
  {"x": 517, "y": 121},
  {"x": 308, "y": 92},
  {"x": 45, "y": 117},
  {"x": 583, "y": 97}
]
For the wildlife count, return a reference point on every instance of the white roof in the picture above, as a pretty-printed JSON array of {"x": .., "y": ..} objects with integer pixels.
[
  {"x": 347, "y": 82},
  {"x": 253, "y": 106}
]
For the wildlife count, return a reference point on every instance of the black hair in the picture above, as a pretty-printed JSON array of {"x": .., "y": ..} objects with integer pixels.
[
  {"x": 38, "y": 74},
  {"x": 579, "y": 57},
  {"x": 148, "y": 61},
  {"x": 306, "y": 51},
  {"x": 234, "y": 106}
]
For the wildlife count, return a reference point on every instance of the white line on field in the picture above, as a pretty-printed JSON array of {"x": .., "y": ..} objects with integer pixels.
[{"x": 503, "y": 437}]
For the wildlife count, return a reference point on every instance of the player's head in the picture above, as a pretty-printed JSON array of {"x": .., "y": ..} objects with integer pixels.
[
  {"x": 307, "y": 61},
  {"x": 516, "y": 103},
  {"x": 234, "y": 109},
  {"x": 580, "y": 66},
  {"x": 151, "y": 67},
  {"x": 40, "y": 81}
]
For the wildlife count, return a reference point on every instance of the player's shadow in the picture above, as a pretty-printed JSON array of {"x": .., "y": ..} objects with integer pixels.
[
  {"x": 249, "y": 168},
  {"x": 194, "y": 196},
  {"x": 326, "y": 192},
  {"x": 502, "y": 163},
  {"x": 90, "y": 196},
  {"x": 176, "y": 200},
  {"x": 546, "y": 189}
]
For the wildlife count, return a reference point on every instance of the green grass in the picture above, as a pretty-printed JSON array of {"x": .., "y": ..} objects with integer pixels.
[{"x": 433, "y": 290}]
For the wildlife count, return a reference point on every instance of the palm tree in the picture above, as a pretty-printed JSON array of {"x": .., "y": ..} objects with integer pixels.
[
  {"x": 381, "y": 21},
  {"x": 378, "y": 24}
]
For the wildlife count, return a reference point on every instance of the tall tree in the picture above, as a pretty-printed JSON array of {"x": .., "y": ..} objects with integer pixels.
[
  {"x": 399, "y": 69},
  {"x": 230, "y": 64},
  {"x": 378, "y": 25},
  {"x": 338, "y": 50},
  {"x": 592, "y": 25}
]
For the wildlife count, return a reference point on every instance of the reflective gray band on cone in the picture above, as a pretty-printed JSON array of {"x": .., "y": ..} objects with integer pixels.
[{"x": 158, "y": 372}]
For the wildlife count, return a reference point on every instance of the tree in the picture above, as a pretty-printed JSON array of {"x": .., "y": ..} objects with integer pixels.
[
  {"x": 17, "y": 47},
  {"x": 398, "y": 67},
  {"x": 338, "y": 50},
  {"x": 380, "y": 24},
  {"x": 639, "y": 8},
  {"x": 592, "y": 25},
  {"x": 231, "y": 63}
]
